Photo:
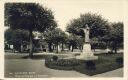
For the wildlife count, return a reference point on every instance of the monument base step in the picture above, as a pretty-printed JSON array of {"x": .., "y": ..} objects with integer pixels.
[{"x": 87, "y": 57}]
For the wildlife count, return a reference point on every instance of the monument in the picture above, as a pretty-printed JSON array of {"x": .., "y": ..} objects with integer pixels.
[{"x": 87, "y": 54}]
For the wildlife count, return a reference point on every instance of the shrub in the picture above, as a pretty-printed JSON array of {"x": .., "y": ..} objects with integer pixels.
[
  {"x": 110, "y": 52},
  {"x": 67, "y": 62},
  {"x": 55, "y": 58},
  {"x": 90, "y": 65},
  {"x": 44, "y": 50},
  {"x": 62, "y": 64},
  {"x": 119, "y": 60},
  {"x": 54, "y": 61}
]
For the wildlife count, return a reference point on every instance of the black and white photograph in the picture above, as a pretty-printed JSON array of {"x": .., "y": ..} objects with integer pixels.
[{"x": 64, "y": 39}]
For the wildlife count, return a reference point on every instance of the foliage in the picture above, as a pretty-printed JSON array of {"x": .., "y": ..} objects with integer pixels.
[
  {"x": 29, "y": 16},
  {"x": 75, "y": 41},
  {"x": 64, "y": 64},
  {"x": 102, "y": 32},
  {"x": 16, "y": 37},
  {"x": 55, "y": 58},
  {"x": 19, "y": 35},
  {"x": 55, "y": 36},
  {"x": 98, "y": 25},
  {"x": 115, "y": 37}
]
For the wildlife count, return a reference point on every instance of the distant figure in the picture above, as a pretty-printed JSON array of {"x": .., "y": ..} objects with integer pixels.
[{"x": 12, "y": 48}]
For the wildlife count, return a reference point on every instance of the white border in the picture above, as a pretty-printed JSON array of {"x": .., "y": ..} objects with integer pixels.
[{"x": 92, "y": 78}]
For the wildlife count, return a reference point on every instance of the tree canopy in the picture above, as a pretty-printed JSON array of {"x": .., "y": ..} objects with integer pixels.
[
  {"x": 115, "y": 36},
  {"x": 109, "y": 34},
  {"x": 98, "y": 25},
  {"x": 16, "y": 37},
  {"x": 75, "y": 41},
  {"x": 30, "y": 17},
  {"x": 55, "y": 36}
]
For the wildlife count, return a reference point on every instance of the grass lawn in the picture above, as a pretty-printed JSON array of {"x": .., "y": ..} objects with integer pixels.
[
  {"x": 35, "y": 57},
  {"x": 103, "y": 64}
]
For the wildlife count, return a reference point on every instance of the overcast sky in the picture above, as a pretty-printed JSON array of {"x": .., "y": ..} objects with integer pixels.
[{"x": 65, "y": 10}]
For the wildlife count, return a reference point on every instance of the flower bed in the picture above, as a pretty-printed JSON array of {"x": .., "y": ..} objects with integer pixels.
[{"x": 62, "y": 64}]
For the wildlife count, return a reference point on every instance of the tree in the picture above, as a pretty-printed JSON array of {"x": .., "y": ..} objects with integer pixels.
[
  {"x": 55, "y": 36},
  {"x": 75, "y": 41},
  {"x": 98, "y": 25},
  {"x": 116, "y": 36},
  {"x": 114, "y": 39},
  {"x": 30, "y": 17},
  {"x": 16, "y": 38},
  {"x": 63, "y": 40},
  {"x": 94, "y": 42}
]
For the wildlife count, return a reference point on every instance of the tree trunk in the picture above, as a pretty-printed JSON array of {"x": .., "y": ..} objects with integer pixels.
[
  {"x": 72, "y": 48},
  {"x": 82, "y": 47},
  {"x": 41, "y": 39},
  {"x": 57, "y": 48},
  {"x": 112, "y": 50},
  {"x": 62, "y": 46},
  {"x": 115, "y": 46},
  {"x": 41, "y": 47},
  {"x": 50, "y": 47},
  {"x": 69, "y": 47},
  {"x": 53, "y": 47},
  {"x": 30, "y": 45},
  {"x": 115, "y": 50}
]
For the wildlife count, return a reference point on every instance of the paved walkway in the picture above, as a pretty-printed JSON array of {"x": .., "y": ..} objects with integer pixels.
[{"x": 14, "y": 67}]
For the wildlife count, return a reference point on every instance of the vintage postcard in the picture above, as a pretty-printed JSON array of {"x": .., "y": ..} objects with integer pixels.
[{"x": 63, "y": 39}]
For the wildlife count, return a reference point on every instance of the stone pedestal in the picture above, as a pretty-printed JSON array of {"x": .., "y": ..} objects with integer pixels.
[{"x": 87, "y": 54}]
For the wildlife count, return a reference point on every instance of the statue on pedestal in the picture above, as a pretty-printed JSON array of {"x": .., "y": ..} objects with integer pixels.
[{"x": 87, "y": 54}]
